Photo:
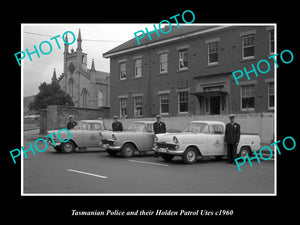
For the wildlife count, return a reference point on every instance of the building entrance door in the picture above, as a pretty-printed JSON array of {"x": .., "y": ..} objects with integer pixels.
[{"x": 215, "y": 105}]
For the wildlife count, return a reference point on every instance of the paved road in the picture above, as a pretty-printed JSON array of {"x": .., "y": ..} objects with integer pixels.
[{"x": 97, "y": 173}]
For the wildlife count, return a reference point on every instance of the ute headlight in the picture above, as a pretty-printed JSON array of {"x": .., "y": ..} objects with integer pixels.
[
  {"x": 175, "y": 140},
  {"x": 114, "y": 137},
  {"x": 155, "y": 138}
]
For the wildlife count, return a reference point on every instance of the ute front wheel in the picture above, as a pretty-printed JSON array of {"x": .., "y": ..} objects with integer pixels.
[
  {"x": 190, "y": 155},
  {"x": 127, "y": 150},
  {"x": 68, "y": 147}
]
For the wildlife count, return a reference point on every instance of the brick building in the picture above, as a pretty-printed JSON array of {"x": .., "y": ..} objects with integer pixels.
[{"x": 189, "y": 72}]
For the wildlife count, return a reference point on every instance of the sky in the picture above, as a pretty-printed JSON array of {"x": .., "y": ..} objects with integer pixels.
[{"x": 96, "y": 40}]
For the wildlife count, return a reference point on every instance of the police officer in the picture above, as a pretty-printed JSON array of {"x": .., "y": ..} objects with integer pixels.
[
  {"x": 116, "y": 125},
  {"x": 232, "y": 138},
  {"x": 159, "y": 127},
  {"x": 71, "y": 123}
]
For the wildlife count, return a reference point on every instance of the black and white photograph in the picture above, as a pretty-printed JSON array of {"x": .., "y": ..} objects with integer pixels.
[
  {"x": 173, "y": 113},
  {"x": 161, "y": 113}
]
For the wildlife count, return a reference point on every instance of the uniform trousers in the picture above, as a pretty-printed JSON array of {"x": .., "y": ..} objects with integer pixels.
[{"x": 231, "y": 152}]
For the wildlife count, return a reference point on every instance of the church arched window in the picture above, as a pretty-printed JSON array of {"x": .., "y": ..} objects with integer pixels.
[
  {"x": 71, "y": 87},
  {"x": 84, "y": 97},
  {"x": 100, "y": 98}
]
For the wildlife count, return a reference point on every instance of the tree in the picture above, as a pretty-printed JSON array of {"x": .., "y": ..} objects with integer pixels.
[{"x": 50, "y": 94}]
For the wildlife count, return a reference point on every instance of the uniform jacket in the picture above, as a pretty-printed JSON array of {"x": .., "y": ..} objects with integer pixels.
[
  {"x": 159, "y": 127},
  {"x": 71, "y": 124},
  {"x": 232, "y": 133},
  {"x": 117, "y": 126}
]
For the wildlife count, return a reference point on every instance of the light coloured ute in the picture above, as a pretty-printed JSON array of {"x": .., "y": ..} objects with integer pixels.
[
  {"x": 84, "y": 137},
  {"x": 138, "y": 137},
  {"x": 201, "y": 138}
]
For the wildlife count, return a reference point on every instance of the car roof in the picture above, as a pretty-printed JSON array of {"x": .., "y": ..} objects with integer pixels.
[
  {"x": 144, "y": 121},
  {"x": 207, "y": 121},
  {"x": 91, "y": 121}
]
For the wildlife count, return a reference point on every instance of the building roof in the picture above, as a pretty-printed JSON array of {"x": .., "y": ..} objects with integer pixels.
[{"x": 175, "y": 34}]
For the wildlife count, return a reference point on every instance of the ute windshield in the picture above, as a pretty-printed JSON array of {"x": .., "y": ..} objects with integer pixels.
[
  {"x": 80, "y": 126},
  {"x": 197, "y": 128},
  {"x": 137, "y": 127}
]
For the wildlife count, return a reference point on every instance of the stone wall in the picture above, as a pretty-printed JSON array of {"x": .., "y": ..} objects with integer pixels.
[
  {"x": 258, "y": 123},
  {"x": 56, "y": 116}
]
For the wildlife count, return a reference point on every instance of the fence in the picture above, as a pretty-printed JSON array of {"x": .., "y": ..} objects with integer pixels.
[{"x": 259, "y": 123}]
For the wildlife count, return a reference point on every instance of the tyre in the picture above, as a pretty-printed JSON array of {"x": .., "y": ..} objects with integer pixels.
[
  {"x": 167, "y": 157},
  {"x": 111, "y": 152},
  {"x": 58, "y": 149},
  {"x": 127, "y": 150},
  {"x": 190, "y": 155},
  {"x": 67, "y": 147},
  {"x": 244, "y": 151}
]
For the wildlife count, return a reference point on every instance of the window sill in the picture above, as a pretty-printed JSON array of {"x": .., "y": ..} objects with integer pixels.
[
  {"x": 136, "y": 78},
  {"x": 212, "y": 65},
  {"x": 248, "y": 110},
  {"x": 163, "y": 73},
  {"x": 183, "y": 113},
  {"x": 248, "y": 59},
  {"x": 182, "y": 70},
  {"x": 122, "y": 79}
]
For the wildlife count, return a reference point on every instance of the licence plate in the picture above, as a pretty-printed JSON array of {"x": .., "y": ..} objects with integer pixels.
[{"x": 162, "y": 150}]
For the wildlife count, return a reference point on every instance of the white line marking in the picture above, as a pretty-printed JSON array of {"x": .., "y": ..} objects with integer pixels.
[
  {"x": 158, "y": 164},
  {"x": 91, "y": 174}
]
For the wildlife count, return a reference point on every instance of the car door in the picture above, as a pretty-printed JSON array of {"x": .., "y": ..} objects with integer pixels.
[
  {"x": 91, "y": 135},
  {"x": 216, "y": 140},
  {"x": 148, "y": 137}
]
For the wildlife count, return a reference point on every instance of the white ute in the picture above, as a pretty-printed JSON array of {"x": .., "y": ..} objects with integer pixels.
[{"x": 201, "y": 138}]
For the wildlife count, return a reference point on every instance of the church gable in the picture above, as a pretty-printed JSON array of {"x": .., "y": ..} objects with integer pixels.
[
  {"x": 71, "y": 68},
  {"x": 88, "y": 87}
]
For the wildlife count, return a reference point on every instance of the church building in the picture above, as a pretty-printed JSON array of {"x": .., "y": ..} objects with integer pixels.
[{"x": 88, "y": 88}]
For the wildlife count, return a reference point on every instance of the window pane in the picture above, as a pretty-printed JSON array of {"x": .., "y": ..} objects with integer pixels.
[
  {"x": 271, "y": 88},
  {"x": 213, "y": 57},
  {"x": 217, "y": 129},
  {"x": 183, "y": 107},
  {"x": 271, "y": 94},
  {"x": 164, "y": 62},
  {"x": 249, "y": 51},
  {"x": 247, "y": 102},
  {"x": 271, "y": 101},
  {"x": 271, "y": 40},
  {"x": 183, "y": 59},
  {"x": 138, "y": 106},
  {"x": 138, "y": 68},
  {"x": 122, "y": 70},
  {"x": 165, "y": 108},
  {"x": 248, "y": 46},
  {"x": 123, "y": 107},
  {"x": 183, "y": 101},
  {"x": 164, "y": 103}
]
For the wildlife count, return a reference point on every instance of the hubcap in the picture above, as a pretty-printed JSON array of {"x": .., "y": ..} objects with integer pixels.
[
  {"x": 191, "y": 156},
  {"x": 68, "y": 147},
  {"x": 128, "y": 151},
  {"x": 244, "y": 153}
]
